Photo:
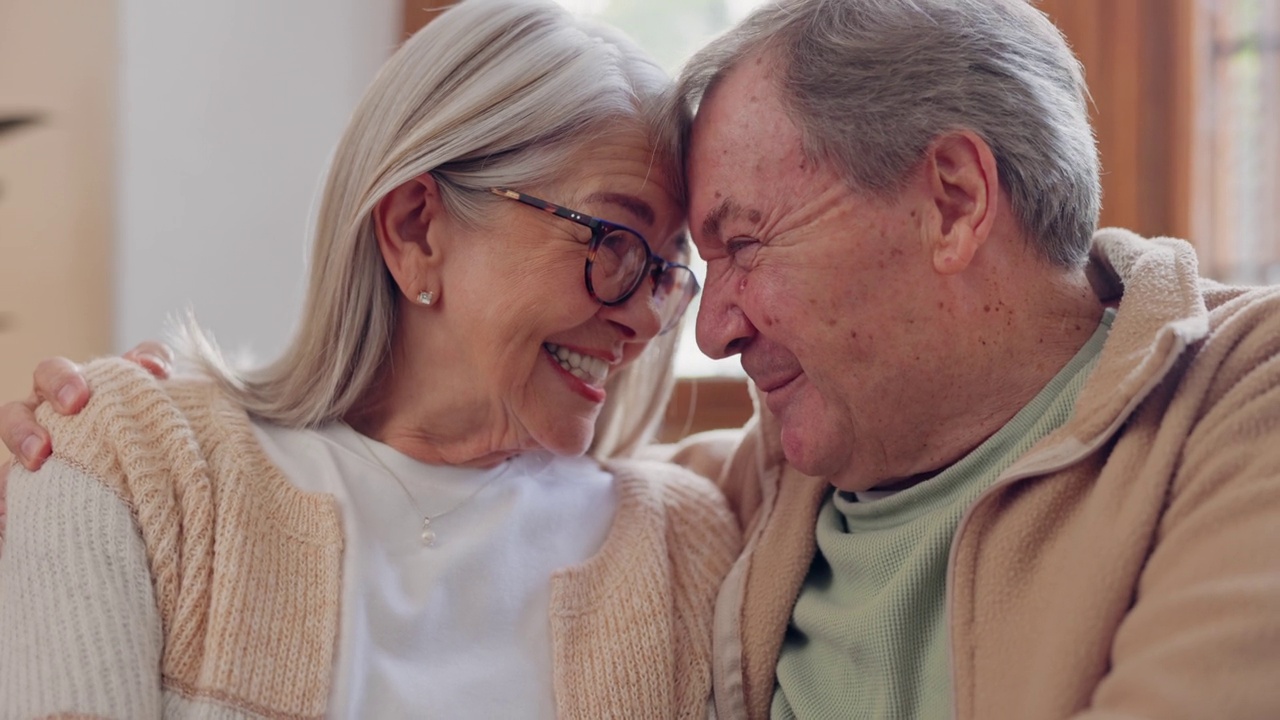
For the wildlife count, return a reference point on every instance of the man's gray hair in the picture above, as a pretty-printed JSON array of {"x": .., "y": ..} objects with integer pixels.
[{"x": 872, "y": 83}]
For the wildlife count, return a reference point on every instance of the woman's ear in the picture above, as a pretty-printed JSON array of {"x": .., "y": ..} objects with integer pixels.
[{"x": 407, "y": 223}]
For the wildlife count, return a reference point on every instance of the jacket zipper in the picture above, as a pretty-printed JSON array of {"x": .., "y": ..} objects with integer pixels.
[{"x": 1035, "y": 468}]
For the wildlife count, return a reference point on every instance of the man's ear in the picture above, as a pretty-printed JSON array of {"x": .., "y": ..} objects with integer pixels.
[
  {"x": 964, "y": 188},
  {"x": 408, "y": 224}
]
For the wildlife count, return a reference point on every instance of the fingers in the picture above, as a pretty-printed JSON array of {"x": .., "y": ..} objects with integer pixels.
[
  {"x": 28, "y": 442},
  {"x": 156, "y": 357},
  {"x": 59, "y": 381}
]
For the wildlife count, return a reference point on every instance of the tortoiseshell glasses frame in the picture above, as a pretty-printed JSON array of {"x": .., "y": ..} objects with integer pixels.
[{"x": 618, "y": 261}]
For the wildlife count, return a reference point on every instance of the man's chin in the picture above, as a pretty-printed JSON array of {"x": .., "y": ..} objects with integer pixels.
[{"x": 802, "y": 452}]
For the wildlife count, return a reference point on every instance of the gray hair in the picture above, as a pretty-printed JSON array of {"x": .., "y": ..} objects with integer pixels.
[
  {"x": 872, "y": 83},
  {"x": 490, "y": 93}
]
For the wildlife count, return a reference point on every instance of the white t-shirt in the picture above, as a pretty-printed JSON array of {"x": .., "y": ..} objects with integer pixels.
[{"x": 459, "y": 629}]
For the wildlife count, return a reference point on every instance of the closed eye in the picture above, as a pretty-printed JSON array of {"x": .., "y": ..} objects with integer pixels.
[{"x": 742, "y": 250}]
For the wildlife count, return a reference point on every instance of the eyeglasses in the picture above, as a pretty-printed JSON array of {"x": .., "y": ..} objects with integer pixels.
[{"x": 618, "y": 261}]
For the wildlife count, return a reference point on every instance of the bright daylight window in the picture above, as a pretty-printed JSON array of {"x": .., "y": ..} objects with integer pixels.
[
  {"x": 1237, "y": 227},
  {"x": 672, "y": 30}
]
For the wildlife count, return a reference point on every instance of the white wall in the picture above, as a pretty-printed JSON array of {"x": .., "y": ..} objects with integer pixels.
[{"x": 229, "y": 110}]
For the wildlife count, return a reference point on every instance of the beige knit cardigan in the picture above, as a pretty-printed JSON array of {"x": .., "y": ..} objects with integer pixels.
[
  {"x": 1126, "y": 567},
  {"x": 160, "y": 565}
]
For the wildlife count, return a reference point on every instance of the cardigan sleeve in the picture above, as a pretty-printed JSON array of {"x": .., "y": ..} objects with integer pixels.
[
  {"x": 80, "y": 634},
  {"x": 703, "y": 540},
  {"x": 1203, "y": 636}
]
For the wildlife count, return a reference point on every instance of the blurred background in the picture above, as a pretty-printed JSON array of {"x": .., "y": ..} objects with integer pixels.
[{"x": 157, "y": 155}]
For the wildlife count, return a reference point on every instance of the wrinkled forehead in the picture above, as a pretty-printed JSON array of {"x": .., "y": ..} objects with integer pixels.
[
  {"x": 618, "y": 178},
  {"x": 742, "y": 142},
  {"x": 624, "y": 159}
]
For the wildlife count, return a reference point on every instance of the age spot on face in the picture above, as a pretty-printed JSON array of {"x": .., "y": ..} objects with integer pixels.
[{"x": 754, "y": 216}]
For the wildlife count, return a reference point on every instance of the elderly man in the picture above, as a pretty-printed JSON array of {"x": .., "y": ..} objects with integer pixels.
[{"x": 1005, "y": 467}]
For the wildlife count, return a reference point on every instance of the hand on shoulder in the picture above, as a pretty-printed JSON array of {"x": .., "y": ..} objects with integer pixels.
[{"x": 61, "y": 383}]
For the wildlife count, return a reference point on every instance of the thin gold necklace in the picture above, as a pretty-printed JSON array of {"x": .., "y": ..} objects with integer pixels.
[{"x": 428, "y": 535}]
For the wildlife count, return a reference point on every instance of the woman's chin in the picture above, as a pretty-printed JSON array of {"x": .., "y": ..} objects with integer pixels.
[{"x": 567, "y": 440}]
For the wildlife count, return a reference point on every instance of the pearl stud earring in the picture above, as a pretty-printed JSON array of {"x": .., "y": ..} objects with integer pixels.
[{"x": 426, "y": 297}]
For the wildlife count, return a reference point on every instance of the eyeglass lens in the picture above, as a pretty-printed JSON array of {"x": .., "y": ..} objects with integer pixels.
[{"x": 620, "y": 265}]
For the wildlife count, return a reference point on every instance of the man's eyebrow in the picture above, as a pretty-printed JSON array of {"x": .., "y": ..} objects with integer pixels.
[
  {"x": 711, "y": 224},
  {"x": 630, "y": 203}
]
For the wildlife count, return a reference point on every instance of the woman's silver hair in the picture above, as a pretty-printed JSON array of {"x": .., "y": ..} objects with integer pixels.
[
  {"x": 872, "y": 83},
  {"x": 490, "y": 93}
]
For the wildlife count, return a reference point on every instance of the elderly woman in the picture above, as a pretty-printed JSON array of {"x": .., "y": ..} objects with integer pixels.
[{"x": 396, "y": 518}]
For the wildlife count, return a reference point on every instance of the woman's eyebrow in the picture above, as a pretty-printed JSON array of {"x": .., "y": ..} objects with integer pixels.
[{"x": 637, "y": 207}]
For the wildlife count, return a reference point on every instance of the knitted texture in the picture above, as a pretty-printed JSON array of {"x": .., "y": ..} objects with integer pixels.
[
  {"x": 73, "y": 539},
  {"x": 630, "y": 638},
  {"x": 246, "y": 568},
  {"x": 1125, "y": 566}
]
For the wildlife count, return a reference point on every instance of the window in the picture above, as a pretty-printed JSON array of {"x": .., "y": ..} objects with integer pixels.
[
  {"x": 1186, "y": 103},
  {"x": 1237, "y": 220}
]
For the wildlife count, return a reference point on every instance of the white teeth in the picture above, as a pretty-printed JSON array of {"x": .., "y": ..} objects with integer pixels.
[{"x": 584, "y": 367}]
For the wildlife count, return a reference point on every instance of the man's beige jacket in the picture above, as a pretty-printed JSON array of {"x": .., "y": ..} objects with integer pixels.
[{"x": 1128, "y": 566}]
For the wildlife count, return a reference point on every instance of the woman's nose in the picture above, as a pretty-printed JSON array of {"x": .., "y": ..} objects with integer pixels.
[{"x": 638, "y": 318}]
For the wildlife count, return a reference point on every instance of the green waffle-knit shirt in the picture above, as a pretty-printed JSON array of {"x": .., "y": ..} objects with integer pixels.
[{"x": 868, "y": 636}]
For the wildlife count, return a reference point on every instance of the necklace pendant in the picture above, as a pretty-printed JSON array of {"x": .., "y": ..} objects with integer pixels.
[{"x": 428, "y": 535}]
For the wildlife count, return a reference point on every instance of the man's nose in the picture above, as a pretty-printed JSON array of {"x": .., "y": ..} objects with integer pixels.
[{"x": 723, "y": 329}]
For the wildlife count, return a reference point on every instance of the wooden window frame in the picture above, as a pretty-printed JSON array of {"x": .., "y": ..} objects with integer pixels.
[
  {"x": 699, "y": 404},
  {"x": 1141, "y": 64}
]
